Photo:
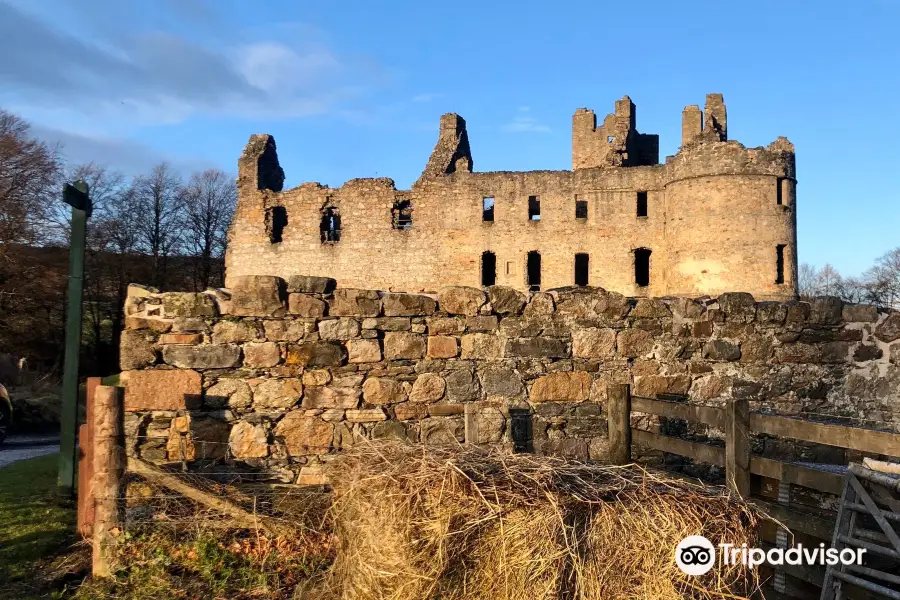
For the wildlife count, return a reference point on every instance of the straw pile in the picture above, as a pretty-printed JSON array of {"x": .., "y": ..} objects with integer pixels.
[{"x": 416, "y": 522}]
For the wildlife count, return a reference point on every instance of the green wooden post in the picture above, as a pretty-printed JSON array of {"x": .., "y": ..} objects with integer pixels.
[{"x": 76, "y": 195}]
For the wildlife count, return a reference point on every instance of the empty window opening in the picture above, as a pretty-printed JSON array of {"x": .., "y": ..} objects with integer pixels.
[
  {"x": 534, "y": 208},
  {"x": 401, "y": 215},
  {"x": 642, "y": 204},
  {"x": 330, "y": 226},
  {"x": 534, "y": 271},
  {"x": 582, "y": 264},
  {"x": 779, "y": 263},
  {"x": 581, "y": 209},
  {"x": 609, "y": 139},
  {"x": 488, "y": 268},
  {"x": 642, "y": 267},
  {"x": 487, "y": 209},
  {"x": 779, "y": 191},
  {"x": 276, "y": 221}
]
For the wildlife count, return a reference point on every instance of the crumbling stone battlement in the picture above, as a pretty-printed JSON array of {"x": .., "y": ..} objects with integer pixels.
[
  {"x": 283, "y": 374},
  {"x": 715, "y": 217}
]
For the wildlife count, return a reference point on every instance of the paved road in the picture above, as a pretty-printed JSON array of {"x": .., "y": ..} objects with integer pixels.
[{"x": 18, "y": 447}]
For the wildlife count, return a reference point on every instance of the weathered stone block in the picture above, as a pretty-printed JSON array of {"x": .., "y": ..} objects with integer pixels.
[
  {"x": 771, "y": 313},
  {"x": 506, "y": 300},
  {"x": 686, "y": 308},
  {"x": 538, "y": 347},
  {"x": 208, "y": 356},
  {"x": 446, "y": 410},
  {"x": 481, "y": 346},
  {"x": 162, "y": 390},
  {"x": 461, "y": 385},
  {"x": 399, "y": 345},
  {"x": 257, "y": 296},
  {"x": 501, "y": 381},
  {"x": 387, "y": 323},
  {"x": 363, "y": 351},
  {"x": 481, "y": 323},
  {"x": 287, "y": 330},
  {"x": 383, "y": 391},
  {"x": 459, "y": 300},
  {"x": 428, "y": 387},
  {"x": 248, "y": 440},
  {"x": 756, "y": 348},
  {"x": 331, "y": 397},
  {"x": 261, "y": 354},
  {"x": 797, "y": 312},
  {"x": 316, "y": 377},
  {"x": 826, "y": 310},
  {"x": 889, "y": 329},
  {"x": 185, "y": 339},
  {"x": 339, "y": 329},
  {"x": 276, "y": 393},
  {"x": 442, "y": 431},
  {"x": 572, "y": 386},
  {"x": 634, "y": 342},
  {"x": 366, "y": 415},
  {"x": 151, "y": 323},
  {"x": 442, "y": 346},
  {"x": 188, "y": 304},
  {"x": 710, "y": 387},
  {"x": 859, "y": 313},
  {"x": 304, "y": 434},
  {"x": 235, "y": 332},
  {"x": 136, "y": 351},
  {"x": 351, "y": 302},
  {"x": 650, "y": 308},
  {"x": 390, "y": 430},
  {"x": 830, "y": 352},
  {"x": 304, "y": 305},
  {"x": 407, "y": 305},
  {"x": 721, "y": 350},
  {"x": 541, "y": 305},
  {"x": 445, "y": 325},
  {"x": 310, "y": 285},
  {"x": 866, "y": 352},
  {"x": 406, "y": 411},
  {"x": 316, "y": 354},
  {"x": 228, "y": 393},
  {"x": 739, "y": 307},
  {"x": 652, "y": 385},
  {"x": 593, "y": 343}
]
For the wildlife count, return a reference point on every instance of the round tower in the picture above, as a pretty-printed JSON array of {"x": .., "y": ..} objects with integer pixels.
[{"x": 731, "y": 220}]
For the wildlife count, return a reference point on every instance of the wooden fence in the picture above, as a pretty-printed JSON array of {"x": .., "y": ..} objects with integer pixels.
[{"x": 775, "y": 486}]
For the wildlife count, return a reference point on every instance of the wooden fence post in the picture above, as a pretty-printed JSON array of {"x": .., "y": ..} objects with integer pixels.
[
  {"x": 86, "y": 462},
  {"x": 737, "y": 446},
  {"x": 619, "y": 422},
  {"x": 471, "y": 431},
  {"x": 109, "y": 474}
]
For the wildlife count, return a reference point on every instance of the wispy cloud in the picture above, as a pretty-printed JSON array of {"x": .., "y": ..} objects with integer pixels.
[
  {"x": 426, "y": 97},
  {"x": 525, "y": 122},
  {"x": 108, "y": 83}
]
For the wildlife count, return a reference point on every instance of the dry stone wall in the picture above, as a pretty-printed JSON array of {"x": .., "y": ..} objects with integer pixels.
[{"x": 283, "y": 374}]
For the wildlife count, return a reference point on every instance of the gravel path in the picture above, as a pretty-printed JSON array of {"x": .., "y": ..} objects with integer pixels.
[{"x": 20, "y": 447}]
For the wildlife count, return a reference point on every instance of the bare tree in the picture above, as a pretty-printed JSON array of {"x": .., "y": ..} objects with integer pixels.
[
  {"x": 29, "y": 174},
  {"x": 884, "y": 279},
  {"x": 209, "y": 201},
  {"x": 158, "y": 197},
  {"x": 807, "y": 280},
  {"x": 829, "y": 281}
]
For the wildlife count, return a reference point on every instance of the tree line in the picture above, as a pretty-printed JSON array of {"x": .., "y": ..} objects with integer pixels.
[
  {"x": 162, "y": 228},
  {"x": 878, "y": 285}
]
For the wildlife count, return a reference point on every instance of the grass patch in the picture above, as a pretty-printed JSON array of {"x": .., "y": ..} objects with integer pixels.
[{"x": 33, "y": 526}]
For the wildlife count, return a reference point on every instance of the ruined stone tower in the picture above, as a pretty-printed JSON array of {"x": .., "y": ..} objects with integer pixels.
[{"x": 715, "y": 217}]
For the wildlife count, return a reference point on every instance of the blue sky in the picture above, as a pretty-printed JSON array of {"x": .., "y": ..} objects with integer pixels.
[{"x": 355, "y": 88}]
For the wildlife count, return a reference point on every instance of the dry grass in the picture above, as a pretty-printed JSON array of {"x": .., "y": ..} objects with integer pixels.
[{"x": 417, "y": 522}]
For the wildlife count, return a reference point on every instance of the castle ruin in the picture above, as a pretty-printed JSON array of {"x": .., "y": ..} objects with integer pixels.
[{"x": 715, "y": 217}]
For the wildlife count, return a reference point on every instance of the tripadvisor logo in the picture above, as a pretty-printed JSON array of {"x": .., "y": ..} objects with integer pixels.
[{"x": 696, "y": 555}]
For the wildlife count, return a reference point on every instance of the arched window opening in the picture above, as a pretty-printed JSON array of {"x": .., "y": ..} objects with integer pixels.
[
  {"x": 401, "y": 215},
  {"x": 488, "y": 268},
  {"x": 330, "y": 226},
  {"x": 533, "y": 270}
]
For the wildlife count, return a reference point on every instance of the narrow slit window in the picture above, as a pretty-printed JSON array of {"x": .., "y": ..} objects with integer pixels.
[
  {"x": 510, "y": 268},
  {"x": 779, "y": 263},
  {"x": 609, "y": 139},
  {"x": 533, "y": 269},
  {"x": 277, "y": 220},
  {"x": 642, "y": 204},
  {"x": 487, "y": 209},
  {"x": 488, "y": 268},
  {"x": 330, "y": 227},
  {"x": 581, "y": 209},
  {"x": 642, "y": 267},
  {"x": 779, "y": 191},
  {"x": 582, "y": 267},
  {"x": 401, "y": 215},
  {"x": 534, "y": 208}
]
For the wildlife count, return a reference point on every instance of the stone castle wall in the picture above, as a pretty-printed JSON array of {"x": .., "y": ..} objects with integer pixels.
[
  {"x": 717, "y": 213},
  {"x": 283, "y": 374}
]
